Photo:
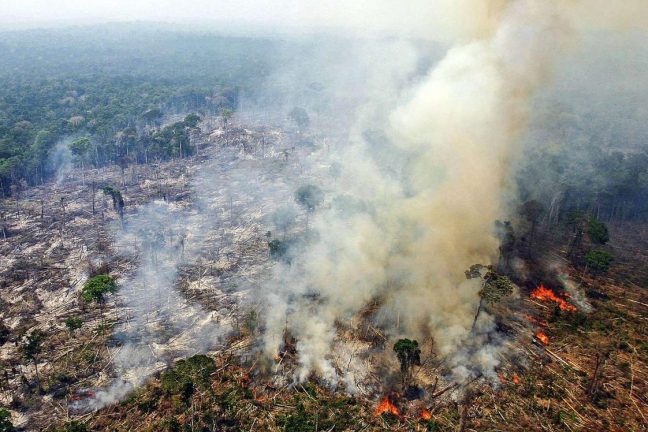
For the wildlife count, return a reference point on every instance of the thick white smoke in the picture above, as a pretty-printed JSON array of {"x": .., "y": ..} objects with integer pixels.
[{"x": 420, "y": 224}]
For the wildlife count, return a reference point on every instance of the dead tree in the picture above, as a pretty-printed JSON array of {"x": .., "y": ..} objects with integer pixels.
[
  {"x": 595, "y": 382},
  {"x": 4, "y": 228},
  {"x": 94, "y": 187},
  {"x": 62, "y": 223}
]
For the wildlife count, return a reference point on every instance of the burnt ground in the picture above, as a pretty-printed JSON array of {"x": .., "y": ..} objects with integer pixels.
[{"x": 591, "y": 375}]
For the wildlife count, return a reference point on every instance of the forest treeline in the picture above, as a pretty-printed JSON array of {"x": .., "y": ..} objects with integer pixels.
[{"x": 104, "y": 92}]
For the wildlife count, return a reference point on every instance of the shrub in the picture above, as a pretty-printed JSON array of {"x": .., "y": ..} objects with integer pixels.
[
  {"x": 73, "y": 323},
  {"x": 5, "y": 421},
  {"x": 598, "y": 261},
  {"x": 598, "y": 232},
  {"x": 97, "y": 287},
  {"x": 309, "y": 197},
  {"x": 5, "y": 333},
  {"x": 74, "y": 426},
  {"x": 188, "y": 374}
]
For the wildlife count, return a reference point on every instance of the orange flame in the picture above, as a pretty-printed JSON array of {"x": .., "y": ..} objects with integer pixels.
[
  {"x": 425, "y": 415},
  {"x": 545, "y": 294},
  {"x": 386, "y": 406},
  {"x": 542, "y": 337}
]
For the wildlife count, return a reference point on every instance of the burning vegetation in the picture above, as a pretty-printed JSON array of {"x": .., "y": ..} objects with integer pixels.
[
  {"x": 267, "y": 270},
  {"x": 387, "y": 406},
  {"x": 545, "y": 294}
]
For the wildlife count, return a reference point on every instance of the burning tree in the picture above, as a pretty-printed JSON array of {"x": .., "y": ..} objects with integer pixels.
[{"x": 409, "y": 355}]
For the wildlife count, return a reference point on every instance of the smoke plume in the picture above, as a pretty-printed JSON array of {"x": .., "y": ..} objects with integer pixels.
[{"x": 426, "y": 214}]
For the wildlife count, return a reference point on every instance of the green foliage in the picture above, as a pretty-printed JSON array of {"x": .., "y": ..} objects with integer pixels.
[
  {"x": 33, "y": 345},
  {"x": 495, "y": 287},
  {"x": 299, "y": 421},
  {"x": 5, "y": 333},
  {"x": 96, "y": 288},
  {"x": 187, "y": 375},
  {"x": 74, "y": 426},
  {"x": 278, "y": 249},
  {"x": 474, "y": 271},
  {"x": 192, "y": 120},
  {"x": 309, "y": 197},
  {"x": 80, "y": 147},
  {"x": 5, "y": 421},
  {"x": 598, "y": 261},
  {"x": 171, "y": 424},
  {"x": 173, "y": 140},
  {"x": 336, "y": 414},
  {"x": 73, "y": 323},
  {"x": 598, "y": 232},
  {"x": 226, "y": 113},
  {"x": 408, "y": 354},
  {"x": 117, "y": 198},
  {"x": 575, "y": 218}
]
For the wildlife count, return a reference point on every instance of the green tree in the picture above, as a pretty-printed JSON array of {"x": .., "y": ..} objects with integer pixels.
[
  {"x": 96, "y": 288},
  {"x": 598, "y": 261},
  {"x": 192, "y": 120},
  {"x": 5, "y": 421},
  {"x": 5, "y": 333},
  {"x": 80, "y": 148},
  {"x": 494, "y": 286},
  {"x": 576, "y": 220},
  {"x": 598, "y": 232},
  {"x": 73, "y": 323},
  {"x": 187, "y": 375},
  {"x": 32, "y": 347},
  {"x": 309, "y": 197},
  {"x": 117, "y": 199},
  {"x": 152, "y": 116},
  {"x": 409, "y": 355}
]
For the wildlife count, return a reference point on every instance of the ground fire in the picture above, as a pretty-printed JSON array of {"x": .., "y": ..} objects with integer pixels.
[
  {"x": 425, "y": 415},
  {"x": 545, "y": 294},
  {"x": 387, "y": 406},
  {"x": 542, "y": 337}
]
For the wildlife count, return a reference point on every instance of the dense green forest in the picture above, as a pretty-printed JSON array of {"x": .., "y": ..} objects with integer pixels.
[{"x": 107, "y": 89}]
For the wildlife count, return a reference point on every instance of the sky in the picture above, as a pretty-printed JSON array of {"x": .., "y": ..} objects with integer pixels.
[
  {"x": 360, "y": 14},
  {"x": 430, "y": 19}
]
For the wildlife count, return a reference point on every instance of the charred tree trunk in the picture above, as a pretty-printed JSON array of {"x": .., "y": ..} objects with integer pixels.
[{"x": 94, "y": 189}]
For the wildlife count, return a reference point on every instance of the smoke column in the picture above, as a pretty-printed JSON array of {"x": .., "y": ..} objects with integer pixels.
[{"x": 418, "y": 226}]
